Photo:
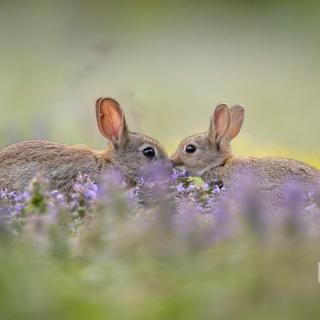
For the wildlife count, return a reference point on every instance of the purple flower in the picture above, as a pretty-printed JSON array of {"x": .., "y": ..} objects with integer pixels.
[
  {"x": 295, "y": 198},
  {"x": 206, "y": 187},
  {"x": 191, "y": 188},
  {"x": 84, "y": 195},
  {"x": 217, "y": 190},
  {"x": 178, "y": 173},
  {"x": 180, "y": 188},
  {"x": 19, "y": 207},
  {"x": 158, "y": 171}
]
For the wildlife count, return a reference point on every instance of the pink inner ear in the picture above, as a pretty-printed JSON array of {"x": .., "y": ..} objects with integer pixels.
[
  {"x": 237, "y": 117},
  {"x": 221, "y": 121},
  {"x": 111, "y": 119}
]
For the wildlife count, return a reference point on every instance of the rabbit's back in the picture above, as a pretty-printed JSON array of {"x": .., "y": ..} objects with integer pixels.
[
  {"x": 269, "y": 171},
  {"x": 265, "y": 178},
  {"x": 21, "y": 162}
]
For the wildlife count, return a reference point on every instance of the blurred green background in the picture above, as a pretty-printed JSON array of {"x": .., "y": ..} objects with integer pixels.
[{"x": 168, "y": 63}]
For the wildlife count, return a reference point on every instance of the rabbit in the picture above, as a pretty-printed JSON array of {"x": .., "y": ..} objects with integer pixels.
[
  {"x": 61, "y": 164},
  {"x": 209, "y": 156}
]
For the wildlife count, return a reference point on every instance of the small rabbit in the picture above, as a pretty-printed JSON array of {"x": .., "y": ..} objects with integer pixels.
[
  {"x": 209, "y": 156},
  {"x": 127, "y": 151}
]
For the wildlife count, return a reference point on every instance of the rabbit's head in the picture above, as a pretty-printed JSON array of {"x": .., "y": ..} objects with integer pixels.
[
  {"x": 130, "y": 152},
  {"x": 201, "y": 152}
]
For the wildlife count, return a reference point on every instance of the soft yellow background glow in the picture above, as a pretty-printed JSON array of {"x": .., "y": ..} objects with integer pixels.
[{"x": 168, "y": 63}]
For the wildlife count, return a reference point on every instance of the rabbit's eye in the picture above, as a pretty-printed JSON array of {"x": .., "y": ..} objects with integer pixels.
[
  {"x": 190, "y": 148},
  {"x": 149, "y": 152}
]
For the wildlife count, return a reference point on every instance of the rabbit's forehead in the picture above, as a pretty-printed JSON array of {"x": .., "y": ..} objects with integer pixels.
[
  {"x": 138, "y": 140},
  {"x": 198, "y": 139}
]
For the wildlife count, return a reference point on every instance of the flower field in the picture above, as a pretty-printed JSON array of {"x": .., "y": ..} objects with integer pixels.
[{"x": 169, "y": 248}]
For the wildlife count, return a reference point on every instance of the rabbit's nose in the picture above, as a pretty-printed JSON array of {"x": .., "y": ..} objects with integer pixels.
[{"x": 176, "y": 161}]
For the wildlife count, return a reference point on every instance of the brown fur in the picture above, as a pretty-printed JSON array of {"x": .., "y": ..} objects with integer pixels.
[
  {"x": 21, "y": 162},
  {"x": 269, "y": 173}
]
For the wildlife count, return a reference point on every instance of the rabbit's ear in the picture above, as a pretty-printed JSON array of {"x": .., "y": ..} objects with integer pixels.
[
  {"x": 111, "y": 120},
  {"x": 219, "y": 124},
  {"x": 237, "y": 117}
]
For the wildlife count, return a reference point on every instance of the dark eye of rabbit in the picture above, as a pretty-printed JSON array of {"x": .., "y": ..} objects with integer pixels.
[
  {"x": 190, "y": 148},
  {"x": 149, "y": 152}
]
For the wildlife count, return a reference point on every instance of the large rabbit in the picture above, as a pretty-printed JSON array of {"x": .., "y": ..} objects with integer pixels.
[
  {"x": 209, "y": 156},
  {"x": 128, "y": 151}
]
